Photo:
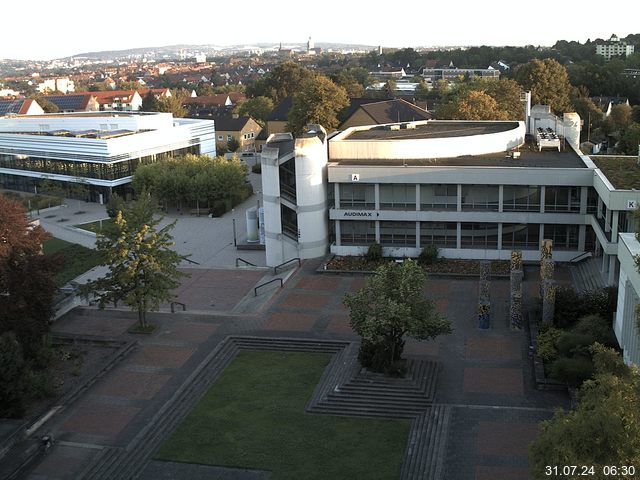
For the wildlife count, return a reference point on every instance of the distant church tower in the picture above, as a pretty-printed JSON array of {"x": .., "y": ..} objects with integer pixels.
[{"x": 310, "y": 45}]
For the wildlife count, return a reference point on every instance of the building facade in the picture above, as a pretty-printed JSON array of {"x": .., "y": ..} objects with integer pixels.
[
  {"x": 100, "y": 150},
  {"x": 475, "y": 190},
  {"x": 614, "y": 47}
]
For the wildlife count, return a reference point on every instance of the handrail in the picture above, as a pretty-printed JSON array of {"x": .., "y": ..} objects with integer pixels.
[
  {"x": 255, "y": 290},
  {"x": 275, "y": 269},
  {"x": 173, "y": 304},
  {"x": 243, "y": 260},
  {"x": 577, "y": 258},
  {"x": 189, "y": 260}
]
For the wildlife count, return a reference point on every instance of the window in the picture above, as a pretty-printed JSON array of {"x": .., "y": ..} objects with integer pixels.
[
  {"x": 562, "y": 199},
  {"x": 565, "y": 237},
  {"x": 480, "y": 197},
  {"x": 521, "y": 198},
  {"x": 439, "y": 197},
  {"x": 520, "y": 236},
  {"x": 399, "y": 234},
  {"x": 357, "y": 196},
  {"x": 592, "y": 201},
  {"x": 220, "y": 137},
  {"x": 479, "y": 235},
  {"x": 353, "y": 232},
  {"x": 229, "y": 138},
  {"x": 441, "y": 234},
  {"x": 288, "y": 180},
  {"x": 289, "y": 222},
  {"x": 398, "y": 196}
]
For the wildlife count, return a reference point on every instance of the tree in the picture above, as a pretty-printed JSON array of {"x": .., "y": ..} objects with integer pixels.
[
  {"x": 390, "y": 88},
  {"x": 630, "y": 139},
  {"x": 27, "y": 283},
  {"x": 603, "y": 430},
  {"x": 13, "y": 373},
  {"x": 471, "y": 105},
  {"x": 619, "y": 118},
  {"x": 174, "y": 104},
  {"x": 390, "y": 306},
  {"x": 143, "y": 269},
  {"x": 285, "y": 80},
  {"x": 150, "y": 103},
  {"x": 257, "y": 108},
  {"x": 548, "y": 82},
  {"x": 233, "y": 144},
  {"x": 320, "y": 101}
]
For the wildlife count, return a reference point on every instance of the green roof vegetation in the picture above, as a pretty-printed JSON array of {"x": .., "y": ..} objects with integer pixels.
[{"x": 622, "y": 172}]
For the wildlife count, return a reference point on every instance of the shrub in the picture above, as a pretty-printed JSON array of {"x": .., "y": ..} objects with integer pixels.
[
  {"x": 13, "y": 377},
  {"x": 428, "y": 255},
  {"x": 219, "y": 208},
  {"x": 546, "y": 344},
  {"x": 573, "y": 371},
  {"x": 374, "y": 254},
  {"x": 598, "y": 328},
  {"x": 571, "y": 306},
  {"x": 114, "y": 205},
  {"x": 570, "y": 344}
]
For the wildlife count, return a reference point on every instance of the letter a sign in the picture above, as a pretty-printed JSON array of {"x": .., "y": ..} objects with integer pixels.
[{"x": 355, "y": 177}]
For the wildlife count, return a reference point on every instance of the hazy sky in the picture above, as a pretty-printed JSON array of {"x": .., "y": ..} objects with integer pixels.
[{"x": 44, "y": 30}]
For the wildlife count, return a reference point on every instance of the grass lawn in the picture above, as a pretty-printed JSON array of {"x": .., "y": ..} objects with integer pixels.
[
  {"x": 253, "y": 417},
  {"x": 77, "y": 259},
  {"x": 95, "y": 226}
]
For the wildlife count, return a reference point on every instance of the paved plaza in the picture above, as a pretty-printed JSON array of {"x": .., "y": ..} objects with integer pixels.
[
  {"x": 485, "y": 382},
  {"x": 486, "y": 376}
]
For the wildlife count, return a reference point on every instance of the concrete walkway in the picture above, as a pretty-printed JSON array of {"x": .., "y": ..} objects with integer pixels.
[
  {"x": 208, "y": 241},
  {"x": 486, "y": 381}
]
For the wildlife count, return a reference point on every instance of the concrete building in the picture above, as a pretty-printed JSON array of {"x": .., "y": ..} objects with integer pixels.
[
  {"x": 476, "y": 190},
  {"x": 614, "y": 47},
  {"x": 626, "y": 320},
  {"x": 453, "y": 74},
  {"x": 63, "y": 85},
  {"x": 100, "y": 150}
]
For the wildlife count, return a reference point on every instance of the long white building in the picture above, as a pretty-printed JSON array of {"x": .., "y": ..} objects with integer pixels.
[{"x": 98, "y": 149}]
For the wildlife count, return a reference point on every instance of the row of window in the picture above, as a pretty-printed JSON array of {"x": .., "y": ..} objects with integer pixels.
[
  {"x": 104, "y": 171},
  {"x": 473, "y": 197},
  {"x": 444, "y": 234}
]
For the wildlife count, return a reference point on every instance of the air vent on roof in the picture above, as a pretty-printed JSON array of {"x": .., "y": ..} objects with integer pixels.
[
  {"x": 409, "y": 126},
  {"x": 393, "y": 127}
]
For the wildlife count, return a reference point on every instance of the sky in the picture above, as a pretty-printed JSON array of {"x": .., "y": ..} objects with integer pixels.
[{"x": 45, "y": 31}]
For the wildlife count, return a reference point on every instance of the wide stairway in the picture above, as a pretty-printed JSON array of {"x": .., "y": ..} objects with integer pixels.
[{"x": 586, "y": 275}]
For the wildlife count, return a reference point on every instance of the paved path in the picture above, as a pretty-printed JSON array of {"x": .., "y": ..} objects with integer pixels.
[
  {"x": 486, "y": 377},
  {"x": 208, "y": 241}
]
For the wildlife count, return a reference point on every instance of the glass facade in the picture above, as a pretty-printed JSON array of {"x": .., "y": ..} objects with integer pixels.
[
  {"x": 520, "y": 236},
  {"x": 357, "y": 233},
  {"x": 438, "y": 197},
  {"x": 521, "y": 198},
  {"x": 399, "y": 234},
  {"x": 98, "y": 170},
  {"x": 289, "y": 220},
  {"x": 357, "y": 196},
  {"x": 562, "y": 199},
  {"x": 398, "y": 196},
  {"x": 565, "y": 237},
  {"x": 480, "y": 197},
  {"x": 441, "y": 234},
  {"x": 288, "y": 180},
  {"x": 479, "y": 235}
]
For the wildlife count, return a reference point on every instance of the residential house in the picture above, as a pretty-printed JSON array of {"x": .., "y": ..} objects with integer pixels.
[
  {"x": 211, "y": 105},
  {"x": 375, "y": 112},
  {"x": 122, "y": 100},
  {"x": 244, "y": 129},
  {"x": 20, "y": 106},
  {"x": 76, "y": 102},
  {"x": 63, "y": 85}
]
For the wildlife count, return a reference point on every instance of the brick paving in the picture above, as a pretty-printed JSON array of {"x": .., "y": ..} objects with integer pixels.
[{"x": 485, "y": 377}]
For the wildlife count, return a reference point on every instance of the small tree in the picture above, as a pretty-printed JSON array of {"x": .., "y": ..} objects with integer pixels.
[
  {"x": 603, "y": 430},
  {"x": 233, "y": 145},
  {"x": 391, "y": 305},
  {"x": 143, "y": 270}
]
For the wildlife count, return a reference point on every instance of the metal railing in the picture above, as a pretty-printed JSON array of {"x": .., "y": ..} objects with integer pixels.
[
  {"x": 580, "y": 257},
  {"x": 190, "y": 261},
  {"x": 255, "y": 290},
  {"x": 275, "y": 269},
  {"x": 173, "y": 306},
  {"x": 244, "y": 261}
]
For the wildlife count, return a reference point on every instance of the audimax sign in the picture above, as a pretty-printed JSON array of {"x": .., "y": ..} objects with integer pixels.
[{"x": 360, "y": 214}]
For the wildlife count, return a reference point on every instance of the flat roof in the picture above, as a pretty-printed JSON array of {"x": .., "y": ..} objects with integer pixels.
[
  {"x": 622, "y": 172},
  {"x": 530, "y": 157},
  {"x": 105, "y": 113},
  {"x": 432, "y": 129}
]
